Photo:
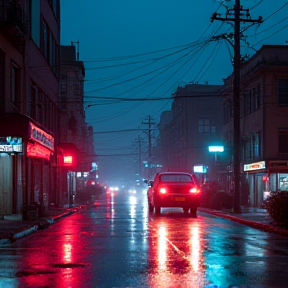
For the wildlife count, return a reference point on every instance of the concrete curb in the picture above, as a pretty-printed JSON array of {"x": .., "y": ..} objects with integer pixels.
[
  {"x": 25, "y": 232},
  {"x": 41, "y": 224},
  {"x": 54, "y": 219},
  {"x": 253, "y": 224},
  {"x": 19, "y": 234}
]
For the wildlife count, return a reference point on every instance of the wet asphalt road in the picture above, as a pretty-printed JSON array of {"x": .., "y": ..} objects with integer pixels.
[{"x": 117, "y": 243}]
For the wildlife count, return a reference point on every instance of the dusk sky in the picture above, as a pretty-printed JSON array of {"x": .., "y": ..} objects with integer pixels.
[{"x": 135, "y": 49}]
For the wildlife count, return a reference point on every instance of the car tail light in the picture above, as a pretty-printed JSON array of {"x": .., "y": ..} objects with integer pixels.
[
  {"x": 194, "y": 190},
  {"x": 91, "y": 182},
  {"x": 163, "y": 190}
]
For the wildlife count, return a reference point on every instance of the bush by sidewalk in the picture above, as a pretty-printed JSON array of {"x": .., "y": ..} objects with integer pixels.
[
  {"x": 277, "y": 206},
  {"x": 214, "y": 197},
  {"x": 209, "y": 189},
  {"x": 221, "y": 200}
]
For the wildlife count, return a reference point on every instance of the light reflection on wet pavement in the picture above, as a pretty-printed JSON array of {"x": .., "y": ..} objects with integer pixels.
[{"x": 119, "y": 244}]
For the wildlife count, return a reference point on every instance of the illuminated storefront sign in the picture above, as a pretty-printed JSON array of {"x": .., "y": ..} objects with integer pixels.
[
  {"x": 11, "y": 144},
  {"x": 41, "y": 136},
  {"x": 200, "y": 169},
  {"x": 38, "y": 151},
  {"x": 254, "y": 166}
]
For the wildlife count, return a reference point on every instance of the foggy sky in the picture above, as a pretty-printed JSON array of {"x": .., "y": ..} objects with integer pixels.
[{"x": 144, "y": 49}]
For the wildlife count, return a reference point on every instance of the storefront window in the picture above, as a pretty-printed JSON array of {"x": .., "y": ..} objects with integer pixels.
[
  {"x": 283, "y": 182},
  {"x": 273, "y": 182}
]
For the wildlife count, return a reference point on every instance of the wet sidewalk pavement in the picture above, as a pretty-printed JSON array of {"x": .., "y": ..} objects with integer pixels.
[
  {"x": 254, "y": 217},
  {"x": 13, "y": 227}
]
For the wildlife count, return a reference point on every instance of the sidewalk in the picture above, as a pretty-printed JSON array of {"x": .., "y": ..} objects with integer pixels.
[
  {"x": 254, "y": 217},
  {"x": 13, "y": 227}
]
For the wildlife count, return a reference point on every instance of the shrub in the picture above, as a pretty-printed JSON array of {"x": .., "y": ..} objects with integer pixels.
[
  {"x": 221, "y": 200},
  {"x": 277, "y": 206},
  {"x": 205, "y": 198},
  {"x": 214, "y": 202},
  {"x": 209, "y": 189},
  {"x": 226, "y": 200}
]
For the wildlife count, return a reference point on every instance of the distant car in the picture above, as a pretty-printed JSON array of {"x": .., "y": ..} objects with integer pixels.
[
  {"x": 138, "y": 189},
  {"x": 132, "y": 190},
  {"x": 174, "y": 189}
]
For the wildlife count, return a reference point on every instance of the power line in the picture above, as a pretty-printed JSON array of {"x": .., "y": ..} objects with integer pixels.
[
  {"x": 139, "y": 76},
  {"x": 145, "y": 60},
  {"x": 117, "y": 131}
]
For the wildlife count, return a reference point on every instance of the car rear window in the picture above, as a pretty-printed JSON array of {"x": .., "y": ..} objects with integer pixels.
[{"x": 176, "y": 178}]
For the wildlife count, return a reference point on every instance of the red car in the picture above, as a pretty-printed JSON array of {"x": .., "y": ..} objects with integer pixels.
[{"x": 174, "y": 189}]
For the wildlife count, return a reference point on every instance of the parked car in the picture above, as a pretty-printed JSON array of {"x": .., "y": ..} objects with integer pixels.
[{"x": 174, "y": 189}]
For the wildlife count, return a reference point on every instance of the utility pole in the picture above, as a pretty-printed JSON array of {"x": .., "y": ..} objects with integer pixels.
[
  {"x": 138, "y": 141},
  {"x": 149, "y": 123},
  {"x": 236, "y": 93}
]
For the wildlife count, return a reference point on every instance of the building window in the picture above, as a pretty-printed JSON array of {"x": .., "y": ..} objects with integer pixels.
[
  {"x": 283, "y": 141},
  {"x": 51, "y": 50},
  {"x": 63, "y": 84},
  {"x": 39, "y": 108},
  {"x": 45, "y": 110},
  {"x": 257, "y": 99},
  {"x": 253, "y": 97},
  {"x": 247, "y": 102},
  {"x": 15, "y": 83},
  {"x": 55, "y": 7},
  {"x": 49, "y": 47},
  {"x": 283, "y": 182},
  {"x": 283, "y": 92},
  {"x": 254, "y": 151},
  {"x": 247, "y": 152},
  {"x": 48, "y": 110},
  {"x": 35, "y": 21},
  {"x": 256, "y": 148},
  {"x": 252, "y": 141},
  {"x": 44, "y": 38},
  {"x": 31, "y": 105},
  {"x": 204, "y": 126}
]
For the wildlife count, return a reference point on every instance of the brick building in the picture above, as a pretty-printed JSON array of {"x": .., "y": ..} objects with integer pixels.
[{"x": 31, "y": 152}]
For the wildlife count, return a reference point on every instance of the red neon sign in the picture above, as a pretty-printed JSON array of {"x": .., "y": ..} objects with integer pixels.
[
  {"x": 68, "y": 160},
  {"x": 38, "y": 151},
  {"x": 41, "y": 136}
]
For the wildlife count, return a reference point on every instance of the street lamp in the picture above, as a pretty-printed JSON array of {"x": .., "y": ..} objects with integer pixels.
[{"x": 215, "y": 150}]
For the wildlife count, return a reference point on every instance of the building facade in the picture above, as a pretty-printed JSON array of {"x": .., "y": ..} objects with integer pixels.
[
  {"x": 32, "y": 164},
  {"x": 199, "y": 119},
  {"x": 263, "y": 122},
  {"x": 195, "y": 124},
  {"x": 76, "y": 136},
  {"x": 30, "y": 37}
]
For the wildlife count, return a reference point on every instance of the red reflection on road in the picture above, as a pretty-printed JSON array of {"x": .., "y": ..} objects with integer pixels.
[
  {"x": 58, "y": 264},
  {"x": 175, "y": 254}
]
